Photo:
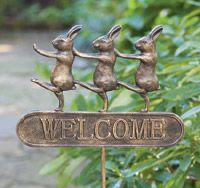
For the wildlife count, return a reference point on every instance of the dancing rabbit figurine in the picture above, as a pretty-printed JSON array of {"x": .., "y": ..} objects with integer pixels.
[
  {"x": 145, "y": 78},
  {"x": 61, "y": 77},
  {"x": 104, "y": 77}
]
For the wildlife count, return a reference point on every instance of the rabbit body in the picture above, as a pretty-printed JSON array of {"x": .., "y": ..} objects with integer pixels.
[
  {"x": 104, "y": 76},
  {"x": 146, "y": 76},
  {"x": 62, "y": 75}
]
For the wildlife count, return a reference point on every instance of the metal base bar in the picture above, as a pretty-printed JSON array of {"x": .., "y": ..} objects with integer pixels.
[{"x": 103, "y": 168}]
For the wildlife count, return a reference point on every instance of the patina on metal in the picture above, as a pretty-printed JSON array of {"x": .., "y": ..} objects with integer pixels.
[
  {"x": 61, "y": 77},
  {"x": 42, "y": 129},
  {"x": 104, "y": 77},
  {"x": 145, "y": 78}
]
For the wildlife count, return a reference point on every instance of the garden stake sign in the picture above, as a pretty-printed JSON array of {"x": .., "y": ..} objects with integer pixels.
[{"x": 100, "y": 129}]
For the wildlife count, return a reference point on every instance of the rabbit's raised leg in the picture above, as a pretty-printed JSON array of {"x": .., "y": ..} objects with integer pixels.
[
  {"x": 103, "y": 95},
  {"x": 139, "y": 90},
  {"x": 57, "y": 92},
  {"x": 60, "y": 97},
  {"x": 147, "y": 102},
  {"x": 46, "y": 85},
  {"x": 89, "y": 86},
  {"x": 131, "y": 87}
]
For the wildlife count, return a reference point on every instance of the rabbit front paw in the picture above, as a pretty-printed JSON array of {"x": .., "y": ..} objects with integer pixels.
[{"x": 34, "y": 80}]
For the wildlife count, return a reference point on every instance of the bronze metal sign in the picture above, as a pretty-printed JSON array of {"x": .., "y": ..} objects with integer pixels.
[
  {"x": 58, "y": 129},
  {"x": 52, "y": 129}
]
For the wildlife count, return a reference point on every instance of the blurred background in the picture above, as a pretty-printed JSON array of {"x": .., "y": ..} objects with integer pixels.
[{"x": 24, "y": 22}]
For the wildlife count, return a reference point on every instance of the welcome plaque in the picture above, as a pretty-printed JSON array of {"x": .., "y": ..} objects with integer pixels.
[
  {"x": 41, "y": 129},
  {"x": 103, "y": 128}
]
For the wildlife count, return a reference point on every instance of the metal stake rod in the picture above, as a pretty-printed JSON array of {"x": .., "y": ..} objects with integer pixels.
[{"x": 103, "y": 168}]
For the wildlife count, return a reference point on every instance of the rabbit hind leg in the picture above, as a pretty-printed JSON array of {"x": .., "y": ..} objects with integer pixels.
[
  {"x": 55, "y": 90},
  {"x": 138, "y": 90},
  {"x": 147, "y": 102},
  {"x": 60, "y": 97},
  {"x": 46, "y": 85},
  {"x": 103, "y": 95}
]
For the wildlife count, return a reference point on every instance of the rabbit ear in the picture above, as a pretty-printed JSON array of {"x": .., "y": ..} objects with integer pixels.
[
  {"x": 155, "y": 32},
  {"x": 114, "y": 32},
  {"x": 74, "y": 31}
]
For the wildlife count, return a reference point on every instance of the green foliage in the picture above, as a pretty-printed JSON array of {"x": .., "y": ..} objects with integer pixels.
[
  {"x": 43, "y": 69},
  {"x": 179, "y": 72},
  {"x": 57, "y": 14}
]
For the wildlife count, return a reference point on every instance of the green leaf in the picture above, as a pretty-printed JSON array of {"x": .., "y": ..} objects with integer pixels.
[
  {"x": 194, "y": 2},
  {"x": 130, "y": 156},
  {"x": 193, "y": 72},
  {"x": 81, "y": 103},
  {"x": 190, "y": 15},
  {"x": 142, "y": 184},
  {"x": 175, "y": 68},
  {"x": 123, "y": 99},
  {"x": 43, "y": 70},
  {"x": 136, "y": 21},
  {"x": 118, "y": 184},
  {"x": 90, "y": 171},
  {"x": 176, "y": 181},
  {"x": 195, "y": 171},
  {"x": 54, "y": 165},
  {"x": 191, "y": 112},
  {"x": 187, "y": 46},
  {"x": 150, "y": 163},
  {"x": 63, "y": 181},
  {"x": 178, "y": 178},
  {"x": 162, "y": 176},
  {"x": 182, "y": 93},
  {"x": 185, "y": 163}
]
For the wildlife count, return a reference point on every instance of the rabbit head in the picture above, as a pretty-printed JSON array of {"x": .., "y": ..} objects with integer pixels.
[
  {"x": 106, "y": 42},
  {"x": 65, "y": 42},
  {"x": 147, "y": 43}
]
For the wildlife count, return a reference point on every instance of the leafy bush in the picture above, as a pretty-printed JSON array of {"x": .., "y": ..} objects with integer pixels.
[
  {"x": 57, "y": 14},
  {"x": 179, "y": 72}
]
